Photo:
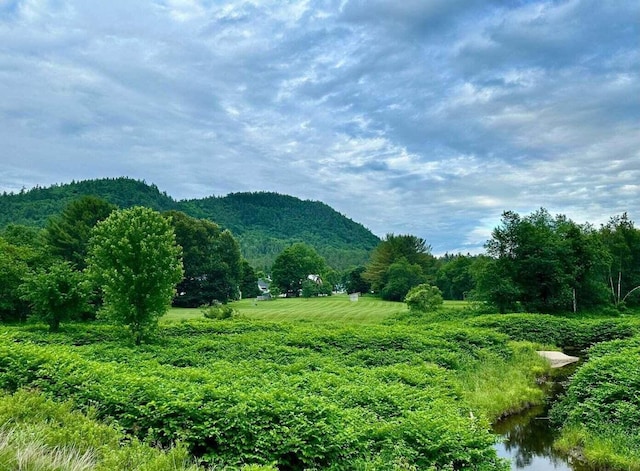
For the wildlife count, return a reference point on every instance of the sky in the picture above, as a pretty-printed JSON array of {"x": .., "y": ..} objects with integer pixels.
[{"x": 422, "y": 117}]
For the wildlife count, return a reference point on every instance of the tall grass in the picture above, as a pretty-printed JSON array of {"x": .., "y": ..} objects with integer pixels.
[
  {"x": 499, "y": 387},
  {"x": 25, "y": 451},
  {"x": 41, "y": 435}
]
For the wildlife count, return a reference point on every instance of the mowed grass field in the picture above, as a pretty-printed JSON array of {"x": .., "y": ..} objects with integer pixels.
[{"x": 338, "y": 308}]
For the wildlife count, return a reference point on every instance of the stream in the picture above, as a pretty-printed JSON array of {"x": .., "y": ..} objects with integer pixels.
[{"x": 527, "y": 438}]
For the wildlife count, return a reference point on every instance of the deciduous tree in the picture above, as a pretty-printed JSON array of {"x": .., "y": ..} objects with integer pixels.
[
  {"x": 56, "y": 294},
  {"x": 292, "y": 267},
  {"x": 399, "y": 278},
  {"x": 412, "y": 262},
  {"x": 212, "y": 261},
  {"x": 134, "y": 258},
  {"x": 424, "y": 298},
  {"x": 13, "y": 271},
  {"x": 622, "y": 241},
  {"x": 354, "y": 281},
  {"x": 546, "y": 264}
]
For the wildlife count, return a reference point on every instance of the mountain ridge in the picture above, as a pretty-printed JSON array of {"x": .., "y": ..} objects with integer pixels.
[{"x": 263, "y": 222}]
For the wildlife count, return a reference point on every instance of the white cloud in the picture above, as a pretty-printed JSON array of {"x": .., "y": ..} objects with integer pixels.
[{"x": 422, "y": 117}]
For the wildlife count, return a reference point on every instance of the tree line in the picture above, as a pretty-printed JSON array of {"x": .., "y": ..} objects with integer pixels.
[
  {"x": 127, "y": 265},
  {"x": 130, "y": 264},
  {"x": 535, "y": 263},
  {"x": 264, "y": 223}
]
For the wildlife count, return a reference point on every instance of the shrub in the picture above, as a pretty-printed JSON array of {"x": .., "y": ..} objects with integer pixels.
[
  {"x": 600, "y": 412},
  {"x": 217, "y": 310},
  {"x": 315, "y": 397},
  {"x": 424, "y": 298},
  {"x": 560, "y": 331},
  {"x": 45, "y": 435}
]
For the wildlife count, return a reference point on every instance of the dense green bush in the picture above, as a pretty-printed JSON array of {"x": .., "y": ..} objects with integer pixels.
[
  {"x": 424, "y": 298},
  {"x": 217, "y": 310},
  {"x": 563, "y": 332},
  {"x": 600, "y": 413},
  {"x": 39, "y": 434},
  {"x": 315, "y": 397}
]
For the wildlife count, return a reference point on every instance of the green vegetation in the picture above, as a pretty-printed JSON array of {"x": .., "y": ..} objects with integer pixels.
[
  {"x": 35, "y": 206},
  {"x": 424, "y": 298},
  {"x": 600, "y": 414},
  {"x": 292, "y": 267},
  {"x": 14, "y": 268},
  {"x": 68, "y": 234},
  {"x": 333, "y": 384},
  {"x": 263, "y": 223},
  {"x": 326, "y": 395},
  {"x": 367, "y": 310},
  {"x": 39, "y": 434},
  {"x": 267, "y": 223},
  {"x": 567, "y": 333},
  {"x": 56, "y": 294},
  {"x": 544, "y": 264},
  {"x": 211, "y": 259},
  {"x": 399, "y": 263},
  {"x": 313, "y": 382},
  {"x": 134, "y": 260}
]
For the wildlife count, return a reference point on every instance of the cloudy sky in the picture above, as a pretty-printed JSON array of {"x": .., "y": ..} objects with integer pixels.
[{"x": 423, "y": 117}]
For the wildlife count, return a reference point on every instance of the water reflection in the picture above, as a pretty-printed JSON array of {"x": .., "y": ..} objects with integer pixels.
[
  {"x": 527, "y": 438},
  {"x": 528, "y": 442}
]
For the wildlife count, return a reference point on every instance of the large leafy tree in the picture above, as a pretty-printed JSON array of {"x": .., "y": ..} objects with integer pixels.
[
  {"x": 14, "y": 269},
  {"x": 24, "y": 236},
  {"x": 454, "y": 278},
  {"x": 354, "y": 281},
  {"x": 227, "y": 268},
  {"x": 622, "y": 242},
  {"x": 293, "y": 266},
  {"x": 134, "y": 258},
  {"x": 411, "y": 259},
  {"x": 494, "y": 283},
  {"x": 212, "y": 261},
  {"x": 546, "y": 264},
  {"x": 68, "y": 234},
  {"x": 400, "y": 277},
  {"x": 56, "y": 294}
]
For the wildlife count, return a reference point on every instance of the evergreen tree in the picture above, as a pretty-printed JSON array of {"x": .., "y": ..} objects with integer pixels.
[{"x": 68, "y": 234}]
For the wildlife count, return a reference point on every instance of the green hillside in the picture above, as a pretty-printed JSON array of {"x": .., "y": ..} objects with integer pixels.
[
  {"x": 266, "y": 223},
  {"x": 263, "y": 223}
]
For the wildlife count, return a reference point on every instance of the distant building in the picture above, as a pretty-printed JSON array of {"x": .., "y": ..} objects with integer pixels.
[
  {"x": 263, "y": 286},
  {"x": 315, "y": 278}
]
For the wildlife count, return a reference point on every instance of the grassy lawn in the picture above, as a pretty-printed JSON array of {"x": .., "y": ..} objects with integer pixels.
[{"x": 367, "y": 310}]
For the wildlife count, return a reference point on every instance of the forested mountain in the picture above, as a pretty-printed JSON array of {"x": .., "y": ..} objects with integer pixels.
[
  {"x": 33, "y": 207},
  {"x": 267, "y": 223},
  {"x": 263, "y": 223}
]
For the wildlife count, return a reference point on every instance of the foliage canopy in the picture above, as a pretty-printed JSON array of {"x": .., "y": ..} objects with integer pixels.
[
  {"x": 399, "y": 263},
  {"x": 68, "y": 234},
  {"x": 56, "y": 294},
  {"x": 424, "y": 298},
  {"x": 134, "y": 259},
  {"x": 211, "y": 258},
  {"x": 292, "y": 267},
  {"x": 263, "y": 223}
]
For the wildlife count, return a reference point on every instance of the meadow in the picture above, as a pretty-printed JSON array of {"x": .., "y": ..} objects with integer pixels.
[
  {"x": 290, "y": 384},
  {"x": 367, "y": 310}
]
